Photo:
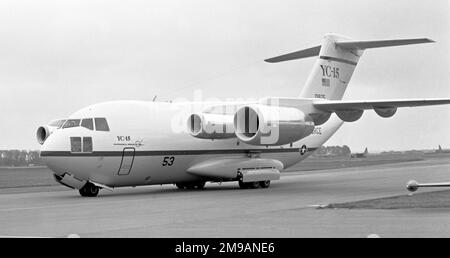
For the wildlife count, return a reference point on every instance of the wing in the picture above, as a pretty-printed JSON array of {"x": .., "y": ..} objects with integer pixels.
[{"x": 338, "y": 105}]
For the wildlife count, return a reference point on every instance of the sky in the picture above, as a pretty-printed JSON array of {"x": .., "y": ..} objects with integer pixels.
[{"x": 59, "y": 56}]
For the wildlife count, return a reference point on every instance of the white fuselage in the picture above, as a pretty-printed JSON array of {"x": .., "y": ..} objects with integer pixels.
[{"x": 147, "y": 144}]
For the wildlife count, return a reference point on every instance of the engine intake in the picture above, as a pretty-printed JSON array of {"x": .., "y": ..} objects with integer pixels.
[
  {"x": 42, "y": 133},
  {"x": 271, "y": 125}
]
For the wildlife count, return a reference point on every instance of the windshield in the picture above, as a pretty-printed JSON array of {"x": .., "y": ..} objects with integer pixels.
[
  {"x": 57, "y": 123},
  {"x": 71, "y": 123},
  {"x": 87, "y": 123},
  {"x": 100, "y": 123}
]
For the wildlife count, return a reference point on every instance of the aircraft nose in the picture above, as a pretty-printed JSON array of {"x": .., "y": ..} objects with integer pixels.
[
  {"x": 48, "y": 145},
  {"x": 48, "y": 152}
]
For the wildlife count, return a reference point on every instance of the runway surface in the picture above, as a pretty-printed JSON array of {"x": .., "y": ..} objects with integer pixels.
[{"x": 224, "y": 210}]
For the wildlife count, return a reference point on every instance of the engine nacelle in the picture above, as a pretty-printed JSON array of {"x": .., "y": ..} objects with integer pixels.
[
  {"x": 349, "y": 115},
  {"x": 320, "y": 118},
  {"x": 271, "y": 125},
  {"x": 42, "y": 133},
  {"x": 211, "y": 126},
  {"x": 385, "y": 112}
]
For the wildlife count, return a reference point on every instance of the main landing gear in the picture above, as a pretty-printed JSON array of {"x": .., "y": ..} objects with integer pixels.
[
  {"x": 194, "y": 185},
  {"x": 254, "y": 185},
  {"x": 89, "y": 190}
]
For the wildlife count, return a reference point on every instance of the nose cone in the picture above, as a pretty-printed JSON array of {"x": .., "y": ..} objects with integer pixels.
[{"x": 53, "y": 145}]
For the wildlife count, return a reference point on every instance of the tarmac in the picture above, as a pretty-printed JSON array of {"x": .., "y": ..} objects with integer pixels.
[{"x": 287, "y": 209}]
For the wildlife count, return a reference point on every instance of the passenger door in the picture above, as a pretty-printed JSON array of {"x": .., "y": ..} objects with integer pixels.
[{"x": 127, "y": 161}]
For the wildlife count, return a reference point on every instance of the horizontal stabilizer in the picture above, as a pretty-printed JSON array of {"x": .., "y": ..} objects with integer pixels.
[
  {"x": 380, "y": 43},
  {"x": 332, "y": 106},
  {"x": 347, "y": 44},
  {"x": 309, "y": 52}
]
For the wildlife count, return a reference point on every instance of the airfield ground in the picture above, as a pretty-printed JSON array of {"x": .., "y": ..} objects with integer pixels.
[
  {"x": 40, "y": 177},
  {"x": 367, "y": 196},
  {"x": 426, "y": 200}
]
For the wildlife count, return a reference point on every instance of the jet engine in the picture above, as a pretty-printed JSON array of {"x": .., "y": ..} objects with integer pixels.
[
  {"x": 44, "y": 131},
  {"x": 211, "y": 126},
  {"x": 385, "y": 112},
  {"x": 349, "y": 115},
  {"x": 271, "y": 125}
]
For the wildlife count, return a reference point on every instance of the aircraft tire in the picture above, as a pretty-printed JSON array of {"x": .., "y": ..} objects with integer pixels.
[
  {"x": 82, "y": 192},
  {"x": 180, "y": 186},
  {"x": 200, "y": 185},
  {"x": 89, "y": 190},
  {"x": 243, "y": 185},
  {"x": 254, "y": 185},
  {"x": 264, "y": 184},
  {"x": 249, "y": 185},
  {"x": 197, "y": 185}
]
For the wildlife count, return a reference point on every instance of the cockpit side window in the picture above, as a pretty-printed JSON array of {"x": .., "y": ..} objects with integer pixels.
[
  {"x": 101, "y": 124},
  {"x": 75, "y": 144},
  {"x": 71, "y": 123},
  {"x": 87, "y": 144},
  {"x": 87, "y": 123}
]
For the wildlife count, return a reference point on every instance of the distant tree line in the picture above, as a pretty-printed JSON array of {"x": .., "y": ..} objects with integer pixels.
[
  {"x": 333, "y": 151},
  {"x": 20, "y": 158}
]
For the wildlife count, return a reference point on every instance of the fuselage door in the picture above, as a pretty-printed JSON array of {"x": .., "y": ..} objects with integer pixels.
[{"x": 127, "y": 161}]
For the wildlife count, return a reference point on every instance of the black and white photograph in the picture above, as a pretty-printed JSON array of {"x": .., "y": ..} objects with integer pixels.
[{"x": 210, "y": 119}]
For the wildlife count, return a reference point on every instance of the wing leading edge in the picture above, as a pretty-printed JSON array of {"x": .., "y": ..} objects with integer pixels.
[{"x": 343, "y": 105}]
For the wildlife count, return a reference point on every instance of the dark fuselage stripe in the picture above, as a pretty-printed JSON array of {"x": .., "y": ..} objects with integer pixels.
[
  {"x": 167, "y": 152},
  {"x": 338, "y": 60}
]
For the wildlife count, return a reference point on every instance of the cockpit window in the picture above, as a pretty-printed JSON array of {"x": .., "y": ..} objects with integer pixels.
[
  {"x": 71, "y": 123},
  {"x": 75, "y": 144},
  {"x": 87, "y": 123},
  {"x": 57, "y": 123},
  {"x": 87, "y": 144},
  {"x": 101, "y": 124}
]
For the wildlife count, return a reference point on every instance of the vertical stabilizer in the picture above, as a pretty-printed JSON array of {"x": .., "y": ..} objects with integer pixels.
[
  {"x": 332, "y": 71},
  {"x": 336, "y": 62}
]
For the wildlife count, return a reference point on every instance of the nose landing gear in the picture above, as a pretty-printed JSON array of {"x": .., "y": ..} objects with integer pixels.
[{"x": 89, "y": 190}]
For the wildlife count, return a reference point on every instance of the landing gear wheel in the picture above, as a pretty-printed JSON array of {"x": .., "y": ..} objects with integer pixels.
[
  {"x": 243, "y": 185},
  {"x": 200, "y": 185},
  {"x": 264, "y": 184},
  {"x": 251, "y": 185},
  {"x": 89, "y": 190},
  {"x": 254, "y": 185},
  {"x": 180, "y": 186},
  {"x": 196, "y": 185}
]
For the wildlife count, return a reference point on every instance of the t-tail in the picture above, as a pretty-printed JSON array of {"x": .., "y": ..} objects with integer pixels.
[{"x": 336, "y": 62}]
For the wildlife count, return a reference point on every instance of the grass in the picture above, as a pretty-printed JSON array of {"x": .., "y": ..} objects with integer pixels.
[
  {"x": 26, "y": 177},
  {"x": 314, "y": 163},
  {"x": 437, "y": 199}
]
